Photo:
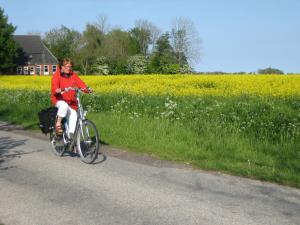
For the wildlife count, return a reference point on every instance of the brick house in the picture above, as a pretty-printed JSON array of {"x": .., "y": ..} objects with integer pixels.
[{"x": 34, "y": 57}]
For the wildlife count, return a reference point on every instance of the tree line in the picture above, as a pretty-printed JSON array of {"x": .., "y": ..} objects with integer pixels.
[
  {"x": 100, "y": 49},
  {"x": 143, "y": 49}
]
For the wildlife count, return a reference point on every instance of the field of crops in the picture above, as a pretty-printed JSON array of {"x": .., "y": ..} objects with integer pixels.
[
  {"x": 176, "y": 85},
  {"x": 247, "y": 125}
]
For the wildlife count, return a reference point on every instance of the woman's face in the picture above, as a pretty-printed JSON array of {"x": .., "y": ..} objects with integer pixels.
[{"x": 66, "y": 68}]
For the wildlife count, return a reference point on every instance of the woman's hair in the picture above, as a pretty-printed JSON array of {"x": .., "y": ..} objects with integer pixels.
[{"x": 65, "y": 61}]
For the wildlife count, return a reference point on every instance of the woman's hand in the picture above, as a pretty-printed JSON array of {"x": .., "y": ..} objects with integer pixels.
[
  {"x": 58, "y": 91},
  {"x": 90, "y": 90}
]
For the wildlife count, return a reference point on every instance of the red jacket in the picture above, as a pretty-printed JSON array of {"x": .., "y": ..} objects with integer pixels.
[{"x": 64, "y": 81}]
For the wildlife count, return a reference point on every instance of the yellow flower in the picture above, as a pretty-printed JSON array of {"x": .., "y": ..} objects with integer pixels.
[{"x": 176, "y": 85}]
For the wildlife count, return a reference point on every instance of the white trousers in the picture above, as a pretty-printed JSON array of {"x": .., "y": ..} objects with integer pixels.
[{"x": 64, "y": 110}]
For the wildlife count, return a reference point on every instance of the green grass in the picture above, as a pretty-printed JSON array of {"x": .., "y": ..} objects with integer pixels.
[
  {"x": 247, "y": 136},
  {"x": 217, "y": 149}
]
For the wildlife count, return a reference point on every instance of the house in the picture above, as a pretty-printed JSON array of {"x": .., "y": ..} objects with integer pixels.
[{"x": 34, "y": 57}]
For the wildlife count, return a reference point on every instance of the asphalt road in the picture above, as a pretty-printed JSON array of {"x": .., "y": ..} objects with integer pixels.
[{"x": 39, "y": 188}]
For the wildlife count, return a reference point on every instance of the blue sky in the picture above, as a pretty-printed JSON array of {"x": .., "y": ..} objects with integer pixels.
[{"x": 237, "y": 35}]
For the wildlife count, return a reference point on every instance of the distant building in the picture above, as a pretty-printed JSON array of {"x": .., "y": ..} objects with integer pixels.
[{"x": 34, "y": 57}]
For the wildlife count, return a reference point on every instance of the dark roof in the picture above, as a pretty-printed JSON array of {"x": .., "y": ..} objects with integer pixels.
[{"x": 34, "y": 50}]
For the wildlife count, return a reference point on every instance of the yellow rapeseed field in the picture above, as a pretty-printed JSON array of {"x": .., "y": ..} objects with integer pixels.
[{"x": 178, "y": 85}]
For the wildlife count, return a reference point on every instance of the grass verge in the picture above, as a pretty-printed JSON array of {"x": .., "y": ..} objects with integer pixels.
[{"x": 246, "y": 136}]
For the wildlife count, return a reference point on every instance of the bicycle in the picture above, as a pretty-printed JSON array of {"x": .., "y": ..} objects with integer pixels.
[{"x": 86, "y": 137}]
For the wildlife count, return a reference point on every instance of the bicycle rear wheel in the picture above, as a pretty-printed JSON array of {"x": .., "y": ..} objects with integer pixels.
[
  {"x": 88, "y": 141},
  {"x": 57, "y": 144}
]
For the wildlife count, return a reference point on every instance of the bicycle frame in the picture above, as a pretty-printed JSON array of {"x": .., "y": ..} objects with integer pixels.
[{"x": 80, "y": 117}]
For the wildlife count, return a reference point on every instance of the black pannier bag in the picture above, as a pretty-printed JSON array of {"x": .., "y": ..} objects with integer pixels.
[{"x": 47, "y": 119}]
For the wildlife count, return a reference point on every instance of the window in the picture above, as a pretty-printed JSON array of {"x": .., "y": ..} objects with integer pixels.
[
  {"x": 54, "y": 68},
  {"x": 31, "y": 70},
  {"x": 19, "y": 70},
  {"x": 26, "y": 70},
  {"x": 46, "y": 70},
  {"x": 38, "y": 70}
]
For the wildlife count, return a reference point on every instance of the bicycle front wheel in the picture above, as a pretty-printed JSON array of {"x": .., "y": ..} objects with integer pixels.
[{"x": 88, "y": 141}]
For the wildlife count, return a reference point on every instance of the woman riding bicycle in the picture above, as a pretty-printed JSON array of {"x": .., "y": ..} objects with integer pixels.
[{"x": 66, "y": 101}]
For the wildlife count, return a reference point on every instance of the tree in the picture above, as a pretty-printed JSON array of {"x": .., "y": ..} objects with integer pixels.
[
  {"x": 270, "y": 70},
  {"x": 143, "y": 39},
  {"x": 83, "y": 60},
  {"x": 89, "y": 49},
  {"x": 102, "y": 24},
  {"x": 62, "y": 42},
  {"x": 154, "y": 35},
  {"x": 119, "y": 45},
  {"x": 8, "y": 46},
  {"x": 101, "y": 66},
  {"x": 93, "y": 38},
  {"x": 137, "y": 64},
  {"x": 163, "y": 56},
  {"x": 146, "y": 35},
  {"x": 185, "y": 41}
]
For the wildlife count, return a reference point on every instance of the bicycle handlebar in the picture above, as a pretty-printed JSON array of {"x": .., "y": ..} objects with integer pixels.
[
  {"x": 74, "y": 89},
  {"x": 70, "y": 89}
]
